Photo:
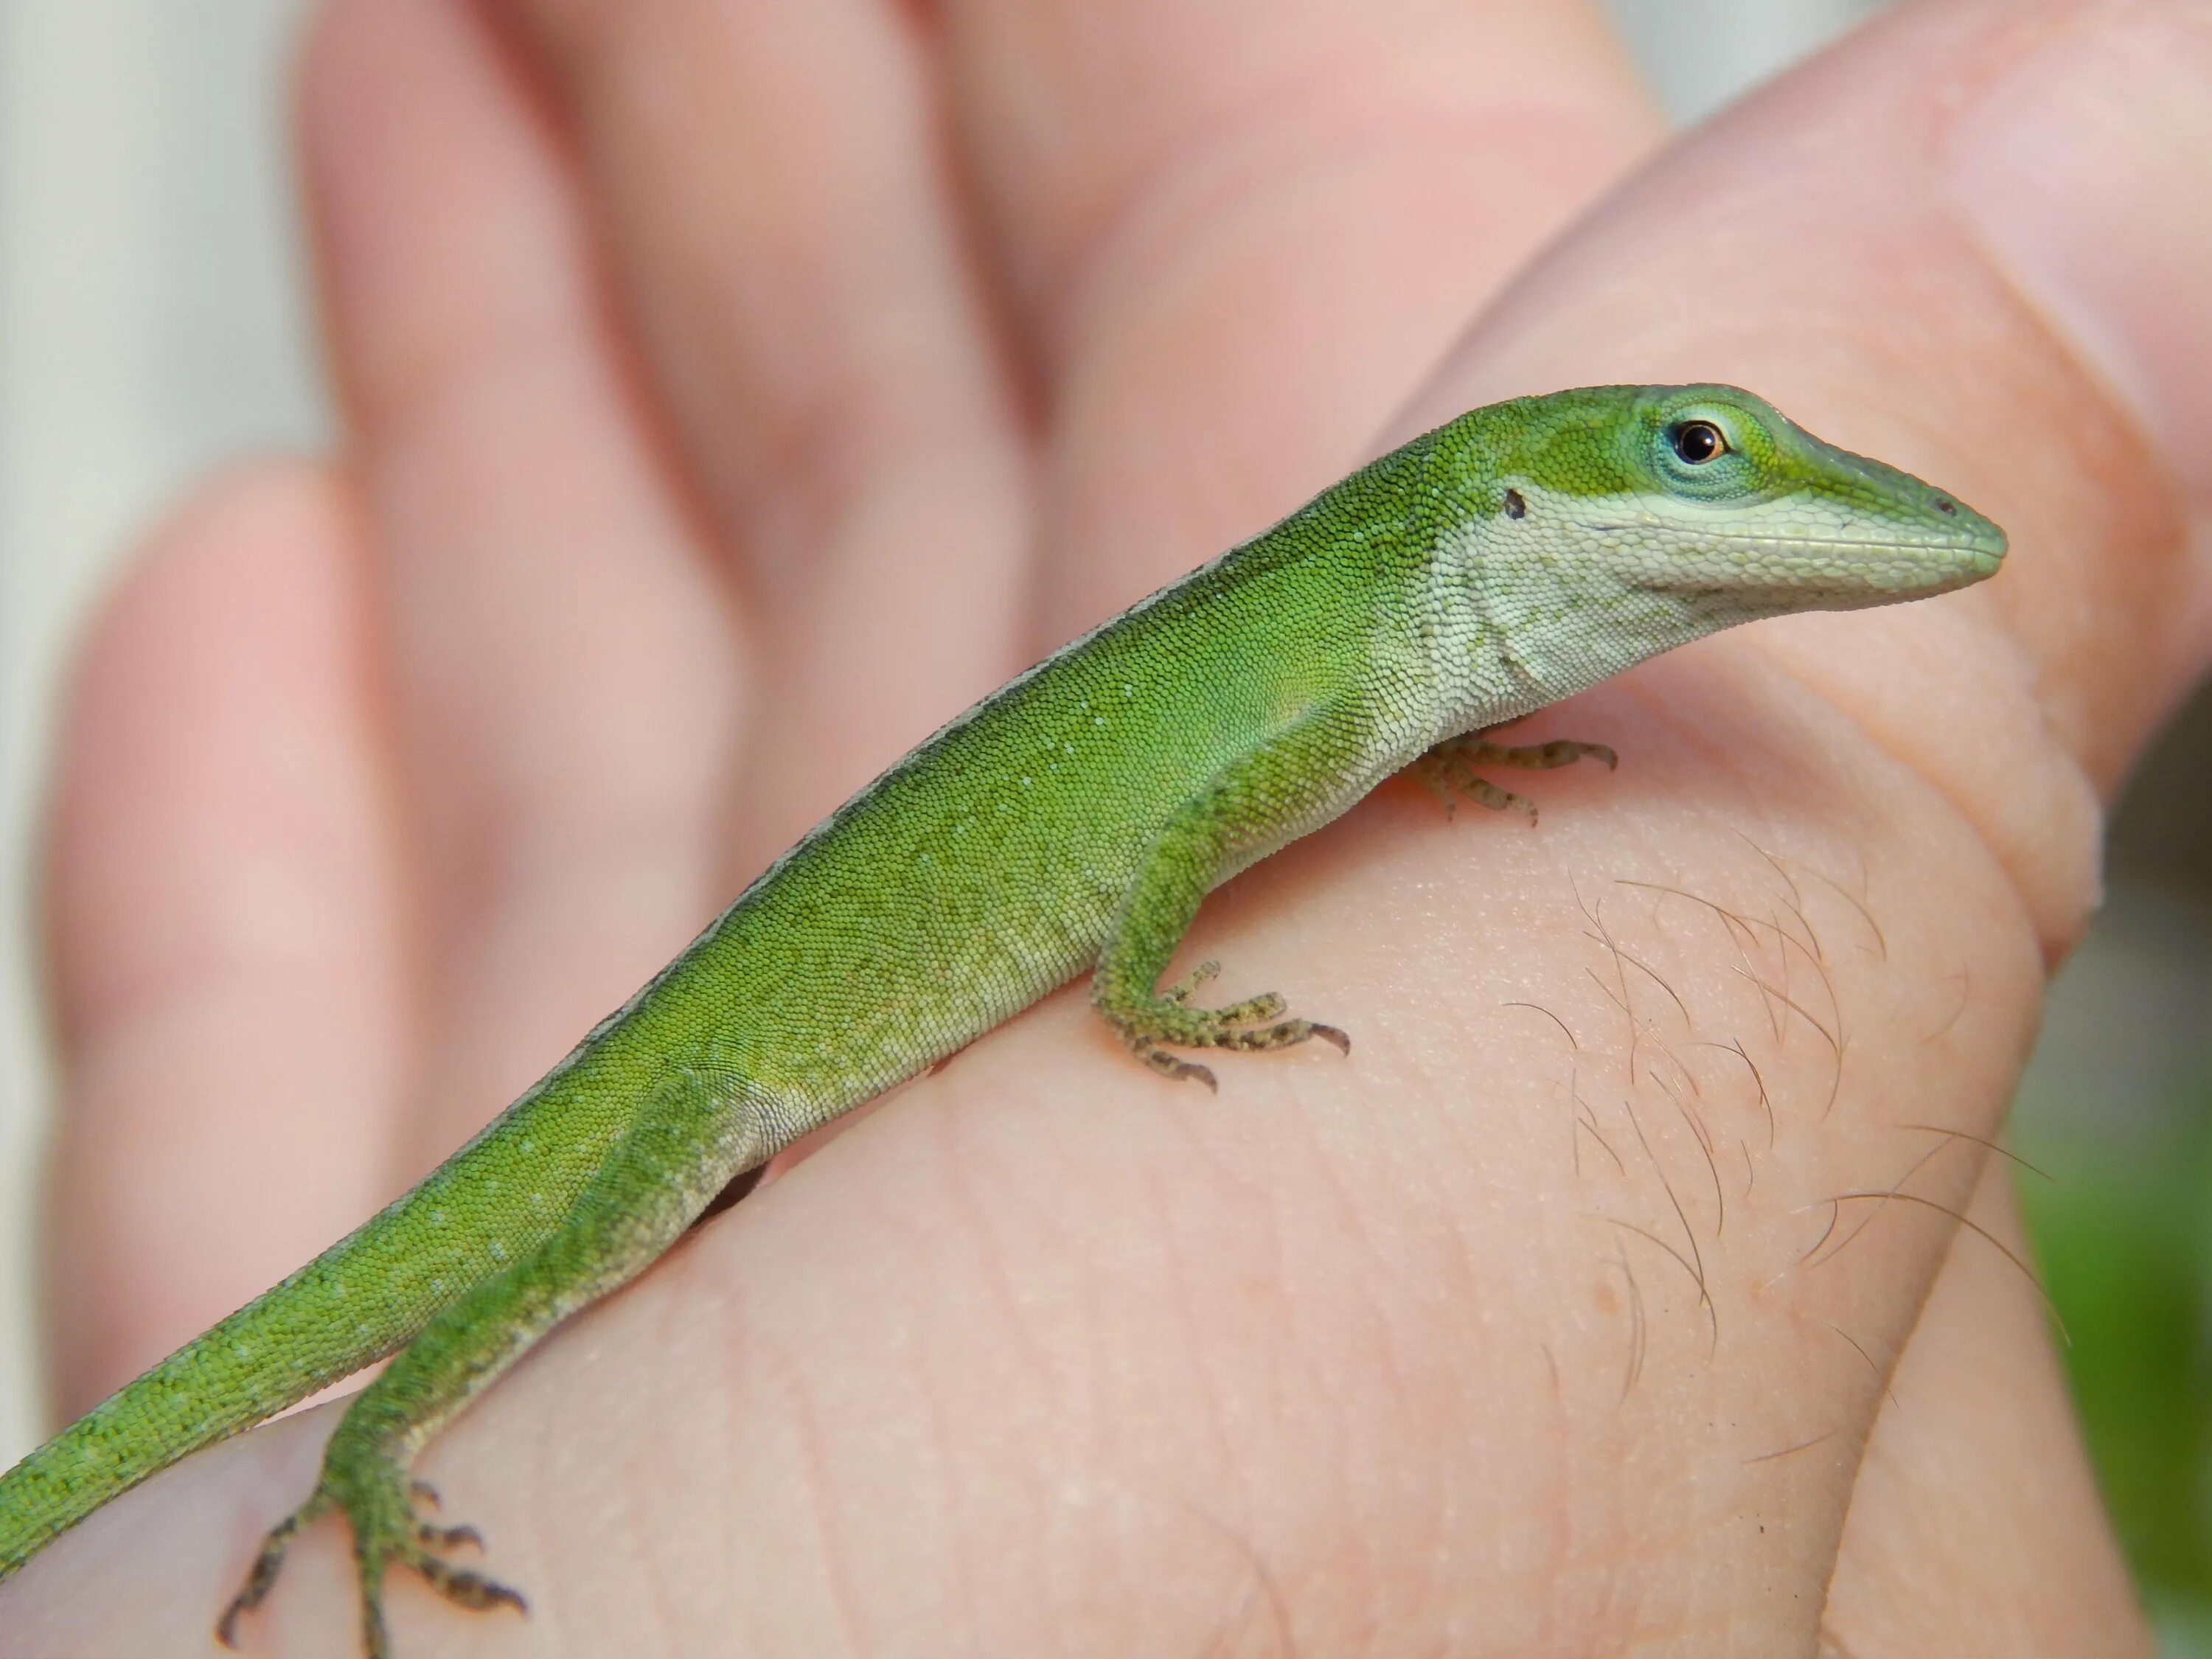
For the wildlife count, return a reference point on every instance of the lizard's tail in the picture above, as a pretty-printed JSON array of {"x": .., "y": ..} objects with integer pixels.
[{"x": 356, "y": 1302}]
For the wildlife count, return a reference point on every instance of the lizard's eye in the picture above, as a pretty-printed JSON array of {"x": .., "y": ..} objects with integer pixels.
[{"x": 1697, "y": 442}]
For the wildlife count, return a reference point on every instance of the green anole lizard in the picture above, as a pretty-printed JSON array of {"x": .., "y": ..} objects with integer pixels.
[{"x": 1073, "y": 820}]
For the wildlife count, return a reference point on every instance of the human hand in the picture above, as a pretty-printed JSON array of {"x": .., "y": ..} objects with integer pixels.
[{"x": 382, "y": 782}]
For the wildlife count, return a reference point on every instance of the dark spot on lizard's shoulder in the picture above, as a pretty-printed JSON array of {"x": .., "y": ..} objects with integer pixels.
[{"x": 1515, "y": 507}]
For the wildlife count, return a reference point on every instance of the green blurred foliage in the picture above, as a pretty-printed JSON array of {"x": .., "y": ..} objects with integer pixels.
[{"x": 2122, "y": 1237}]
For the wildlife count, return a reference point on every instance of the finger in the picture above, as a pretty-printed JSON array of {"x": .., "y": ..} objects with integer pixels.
[
  {"x": 1236, "y": 233},
  {"x": 223, "y": 885},
  {"x": 1976, "y": 1526},
  {"x": 774, "y": 189},
  {"x": 563, "y": 656}
]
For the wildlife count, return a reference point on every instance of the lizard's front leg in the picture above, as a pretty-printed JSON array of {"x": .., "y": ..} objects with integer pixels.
[
  {"x": 1451, "y": 769},
  {"x": 1281, "y": 784}
]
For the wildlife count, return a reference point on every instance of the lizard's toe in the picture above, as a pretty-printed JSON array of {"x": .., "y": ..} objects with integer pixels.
[
  {"x": 462, "y": 1588},
  {"x": 1168, "y": 1021}
]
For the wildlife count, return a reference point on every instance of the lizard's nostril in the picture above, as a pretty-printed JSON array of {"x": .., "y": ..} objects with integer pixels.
[{"x": 1944, "y": 507}]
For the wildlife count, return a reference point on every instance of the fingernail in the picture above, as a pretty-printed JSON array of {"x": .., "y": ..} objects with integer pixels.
[{"x": 2087, "y": 166}]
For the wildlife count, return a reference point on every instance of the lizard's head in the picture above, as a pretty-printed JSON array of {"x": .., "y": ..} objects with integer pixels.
[{"x": 1708, "y": 493}]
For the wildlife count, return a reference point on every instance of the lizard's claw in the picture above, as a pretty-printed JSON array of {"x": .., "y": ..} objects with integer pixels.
[
  {"x": 373, "y": 1489},
  {"x": 1168, "y": 1021}
]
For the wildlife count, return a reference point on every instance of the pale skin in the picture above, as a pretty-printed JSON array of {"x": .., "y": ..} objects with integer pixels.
[{"x": 1049, "y": 1355}]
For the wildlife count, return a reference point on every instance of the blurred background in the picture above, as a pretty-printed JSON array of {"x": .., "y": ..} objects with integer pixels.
[{"x": 155, "y": 321}]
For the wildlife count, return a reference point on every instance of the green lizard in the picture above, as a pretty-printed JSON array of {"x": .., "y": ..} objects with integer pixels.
[{"x": 1073, "y": 819}]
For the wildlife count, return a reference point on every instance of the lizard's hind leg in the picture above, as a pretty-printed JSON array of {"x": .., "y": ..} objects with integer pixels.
[{"x": 686, "y": 1144}]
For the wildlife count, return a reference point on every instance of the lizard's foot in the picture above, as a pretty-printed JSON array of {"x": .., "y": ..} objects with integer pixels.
[
  {"x": 373, "y": 1488},
  {"x": 1449, "y": 770},
  {"x": 1168, "y": 1021}
]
